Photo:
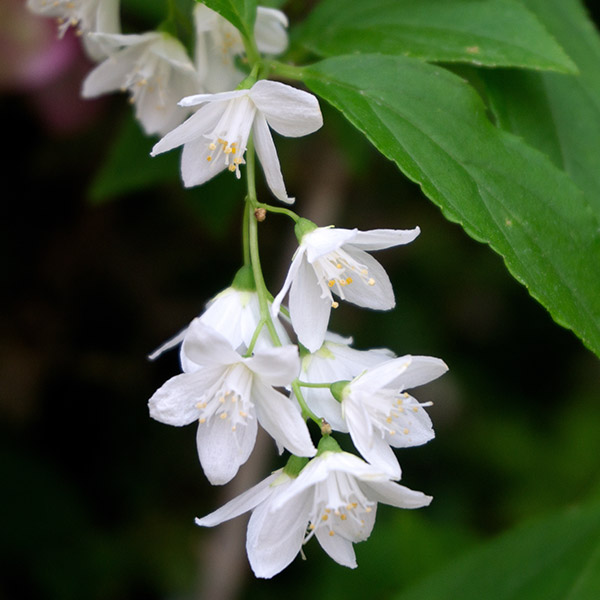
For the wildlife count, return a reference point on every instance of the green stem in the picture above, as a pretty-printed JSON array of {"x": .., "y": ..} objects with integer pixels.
[
  {"x": 251, "y": 202},
  {"x": 284, "y": 70},
  {"x": 313, "y": 385},
  {"x": 306, "y": 412},
  {"x": 280, "y": 210}
]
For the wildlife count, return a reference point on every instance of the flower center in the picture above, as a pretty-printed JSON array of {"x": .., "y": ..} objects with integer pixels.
[
  {"x": 229, "y": 138},
  {"x": 337, "y": 270},
  {"x": 341, "y": 508},
  {"x": 228, "y": 399}
]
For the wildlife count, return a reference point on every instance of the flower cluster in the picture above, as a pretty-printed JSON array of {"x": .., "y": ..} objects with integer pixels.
[{"x": 252, "y": 359}]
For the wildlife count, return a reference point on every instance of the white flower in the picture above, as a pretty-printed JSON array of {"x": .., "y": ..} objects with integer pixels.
[
  {"x": 379, "y": 413},
  {"x": 89, "y": 16},
  {"x": 218, "y": 43},
  {"x": 335, "y": 260},
  {"x": 227, "y": 394},
  {"x": 156, "y": 70},
  {"x": 235, "y": 314},
  {"x": 216, "y": 136},
  {"x": 334, "y": 361},
  {"x": 334, "y": 498}
]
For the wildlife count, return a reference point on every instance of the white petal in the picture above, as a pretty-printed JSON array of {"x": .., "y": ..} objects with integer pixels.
[
  {"x": 422, "y": 369},
  {"x": 289, "y": 111},
  {"x": 378, "y": 239},
  {"x": 297, "y": 259},
  {"x": 309, "y": 311},
  {"x": 323, "y": 240},
  {"x": 275, "y": 536},
  {"x": 278, "y": 416},
  {"x": 194, "y": 128},
  {"x": 267, "y": 154},
  {"x": 207, "y": 347},
  {"x": 383, "y": 375},
  {"x": 195, "y": 168},
  {"x": 380, "y": 295},
  {"x": 270, "y": 30},
  {"x": 394, "y": 494},
  {"x": 110, "y": 75},
  {"x": 174, "y": 403},
  {"x": 275, "y": 366},
  {"x": 170, "y": 343},
  {"x": 222, "y": 451},
  {"x": 368, "y": 442},
  {"x": 219, "y": 97},
  {"x": 339, "y": 548},
  {"x": 240, "y": 504}
]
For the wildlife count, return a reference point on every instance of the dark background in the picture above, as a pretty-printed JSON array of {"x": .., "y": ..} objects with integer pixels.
[{"x": 98, "y": 500}]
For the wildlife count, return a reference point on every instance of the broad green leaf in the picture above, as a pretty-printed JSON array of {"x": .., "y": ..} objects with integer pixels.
[
  {"x": 554, "y": 558},
  {"x": 240, "y": 13},
  {"x": 503, "y": 192},
  {"x": 560, "y": 115},
  {"x": 483, "y": 32},
  {"x": 129, "y": 166}
]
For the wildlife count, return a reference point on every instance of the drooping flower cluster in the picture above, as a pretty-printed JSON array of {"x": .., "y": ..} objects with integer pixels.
[{"x": 248, "y": 359}]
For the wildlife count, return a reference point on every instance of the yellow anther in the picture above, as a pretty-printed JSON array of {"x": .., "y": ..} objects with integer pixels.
[
  {"x": 233, "y": 428},
  {"x": 392, "y": 432},
  {"x": 364, "y": 272},
  {"x": 324, "y": 517},
  {"x": 311, "y": 526},
  {"x": 343, "y": 517},
  {"x": 388, "y": 420},
  {"x": 349, "y": 280},
  {"x": 231, "y": 167},
  {"x": 201, "y": 405},
  {"x": 331, "y": 533},
  {"x": 202, "y": 420},
  {"x": 223, "y": 415},
  {"x": 243, "y": 414},
  {"x": 415, "y": 409},
  {"x": 368, "y": 509},
  {"x": 405, "y": 431},
  {"x": 371, "y": 281},
  {"x": 331, "y": 282},
  {"x": 212, "y": 146},
  {"x": 335, "y": 304},
  {"x": 222, "y": 399},
  {"x": 339, "y": 266},
  {"x": 209, "y": 158},
  {"x": 227, "y": 150}
]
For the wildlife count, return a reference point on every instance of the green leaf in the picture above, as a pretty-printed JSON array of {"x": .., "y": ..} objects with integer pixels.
[
  {"x": 503, "y": 192},
  {"x": 482, "y": 32},
  {"x": 554, "y": 558},
  {"x": 557, "y": 114},
  {"x": 240, "y": 13},
  {"x": 129, "y": 167}
]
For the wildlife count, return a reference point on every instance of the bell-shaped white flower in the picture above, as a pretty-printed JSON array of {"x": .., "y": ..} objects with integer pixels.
[
  {"x": 334, "y": 498},
  {"x": 156, "y": 70},
  {"x": 227, "y": 393},
  {"x": 334, "y": 361},
  {"x": 218, "y": 43},
  {"x": 88, "y": 16},
  {"x": 331, "y": 260},
  {"x": 379, "y": 413},
  {"x": 215, "y": 137}
]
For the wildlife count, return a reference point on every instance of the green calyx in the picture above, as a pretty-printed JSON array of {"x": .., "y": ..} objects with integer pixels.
[
  {"x": 294, "y": 465},
  {"x": 327, "y": 444},
  {"x": 338, "y": 389},
  {"x": 302, "y": 227},
  {"x": 244, "y": 280}
]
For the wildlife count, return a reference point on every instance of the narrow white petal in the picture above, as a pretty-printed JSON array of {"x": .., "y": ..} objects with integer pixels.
[
  {"x": 240, "y": 504},
  {"x": 195, "y": 168},
  {"x": 222, "y": 451},
  {"x": 275, "y": 366},
  {"x": 219, "y": 97},
  {"x": 170, "y": 343},
  {"x": 394, "y": 494},
  {"x": 297, "y": 259},
  {"x": 378, "y": 239},
  {"x": 267, "y": 154},
  {"x": 109, "y": 76},
  {"x": 309, "y": 311},
  {"x": 289, "y": 111},
  {"x": 194, "y": 128},
  {"x": 281, "y": 420},
  {"x": 339, "y": 548},
  {"x": 270, "y": 30},
  {"x": 383, "y": 375}
]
